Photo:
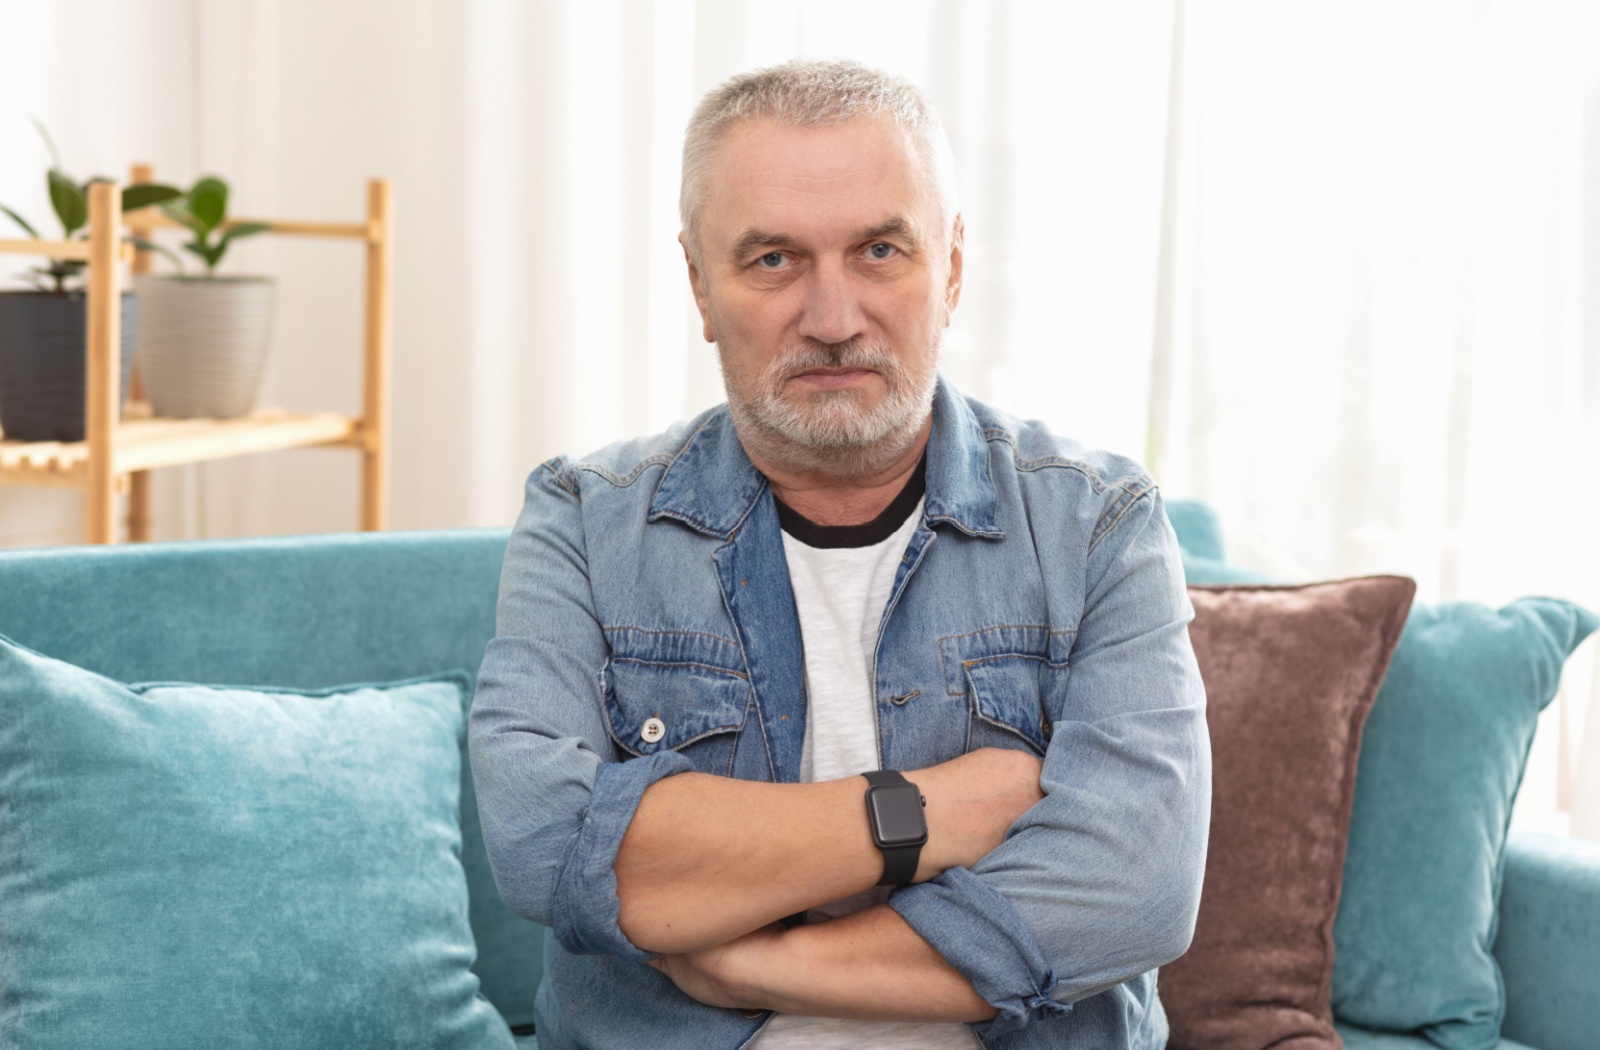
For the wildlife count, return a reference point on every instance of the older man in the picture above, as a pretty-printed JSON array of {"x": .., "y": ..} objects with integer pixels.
[{"x": 852, "y": 713}]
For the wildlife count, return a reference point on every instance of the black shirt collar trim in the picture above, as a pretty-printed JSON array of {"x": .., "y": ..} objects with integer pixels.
[{"x": 834, "y": 537}]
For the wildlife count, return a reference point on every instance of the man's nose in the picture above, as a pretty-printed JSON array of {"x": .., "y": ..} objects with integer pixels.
[{"x": 832, "y": 310}]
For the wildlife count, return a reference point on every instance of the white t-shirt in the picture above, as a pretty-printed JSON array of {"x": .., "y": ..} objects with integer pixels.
[{"x": 840, "y": 594}]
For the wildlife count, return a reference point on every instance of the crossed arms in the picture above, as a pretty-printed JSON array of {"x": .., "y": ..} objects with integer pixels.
[{"x": 708, "y": 865}]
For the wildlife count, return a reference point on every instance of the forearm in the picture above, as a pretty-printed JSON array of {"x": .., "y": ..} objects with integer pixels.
[
  {"x": 868, "y": 966},
  {"x": 707, "y": 859}
]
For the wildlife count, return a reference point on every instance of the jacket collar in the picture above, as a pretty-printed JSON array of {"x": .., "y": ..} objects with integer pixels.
[{"x": 712, "y": 486}]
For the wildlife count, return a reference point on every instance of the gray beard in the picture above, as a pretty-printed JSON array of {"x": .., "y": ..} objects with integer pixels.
[{"x": 830, "y": 434}]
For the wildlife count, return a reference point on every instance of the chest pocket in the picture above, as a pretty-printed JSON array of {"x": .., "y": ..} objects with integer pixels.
[
  {"x": 1015, "y": 679},
  {"x": 676, "y": 691}
]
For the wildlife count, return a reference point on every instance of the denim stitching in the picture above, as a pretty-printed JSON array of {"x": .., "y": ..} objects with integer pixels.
[
  {"x": 1004, "y": 627},
  {"x": 944, "y": 668},
  {"x": 1054, "y": 665},
  {"x": 616, "y": 735},
  {"x": 975, "y": 713},
  {"x": 680, "y": 663},
  {"x": 568, "y": 484},
  {"x": 714, "y": 731},
  {"x": 675, "y": 634},
  {"x": 994, "y": 719},
  {"x": 1120, "y": 508},
  {"x": 1096, "y": 482},
  {"x": 706, "y": 527},
  {"x": 625, "y": 480},
  {"x": 685, "y": 518}
]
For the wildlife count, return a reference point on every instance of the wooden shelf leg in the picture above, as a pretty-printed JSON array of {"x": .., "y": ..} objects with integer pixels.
[
  {"x": 104, "y": 352},
  {"x": 375, "y": 369},
  {"x": 139, "y": 507},
  {"x": 142, "y": 227}
]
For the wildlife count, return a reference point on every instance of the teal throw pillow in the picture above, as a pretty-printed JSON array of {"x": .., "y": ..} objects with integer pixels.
[
  {"x": 1198, "y": 527},
  {"x": 189, "y": 866},
  {"x": 1441, "y": 760}
]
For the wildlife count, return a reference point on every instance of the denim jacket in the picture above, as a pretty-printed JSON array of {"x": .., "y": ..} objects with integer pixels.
[{"x": 1040, "y": 605}]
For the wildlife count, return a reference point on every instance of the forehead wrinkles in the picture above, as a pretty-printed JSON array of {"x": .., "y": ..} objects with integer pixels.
[{"x": 772, "y": 177}]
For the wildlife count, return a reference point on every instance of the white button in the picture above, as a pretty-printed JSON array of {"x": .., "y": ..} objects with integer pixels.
[{"x": 652, "y": 730}]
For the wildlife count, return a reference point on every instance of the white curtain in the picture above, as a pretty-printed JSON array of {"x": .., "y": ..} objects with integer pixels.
[
  {"x": 1323, "y": 266},
  {"x": 1380, "y": 327}
]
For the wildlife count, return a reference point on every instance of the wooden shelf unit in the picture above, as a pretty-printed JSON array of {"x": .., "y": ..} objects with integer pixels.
[{"x": 116, "y": 456}]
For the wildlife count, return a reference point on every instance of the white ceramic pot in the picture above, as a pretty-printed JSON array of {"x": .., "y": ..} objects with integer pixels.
[{"x": 203, "y": 343}]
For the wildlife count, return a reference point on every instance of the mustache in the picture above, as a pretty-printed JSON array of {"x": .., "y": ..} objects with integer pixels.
[{"x": 853, "y": 353}]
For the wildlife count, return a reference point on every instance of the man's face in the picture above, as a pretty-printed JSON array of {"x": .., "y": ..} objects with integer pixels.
[{"x": 826, "y": 279}]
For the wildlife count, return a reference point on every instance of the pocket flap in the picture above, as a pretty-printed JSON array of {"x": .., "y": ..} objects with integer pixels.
[
  {"x": 660, "y": 697},
  {"x": 1008, "y": 672}
]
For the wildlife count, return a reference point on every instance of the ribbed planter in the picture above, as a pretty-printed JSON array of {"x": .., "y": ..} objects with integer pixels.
[
  {"x": 203, "y": 343},
  {"x": 43, "y": 348}
]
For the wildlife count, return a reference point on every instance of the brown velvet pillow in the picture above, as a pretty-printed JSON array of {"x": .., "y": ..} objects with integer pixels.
[{"x": 1290, "y": 674}]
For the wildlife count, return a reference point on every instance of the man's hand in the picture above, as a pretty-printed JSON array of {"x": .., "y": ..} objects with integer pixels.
[
  {"x": 722, "y": 976},
  {"x": 869, "y": 966},
  {"x": 972, "y": 801}
]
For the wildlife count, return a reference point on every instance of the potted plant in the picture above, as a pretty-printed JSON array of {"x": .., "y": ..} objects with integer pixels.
[
  {"x": 203, "y": 339},
  {"x": 43, "y": 331}
]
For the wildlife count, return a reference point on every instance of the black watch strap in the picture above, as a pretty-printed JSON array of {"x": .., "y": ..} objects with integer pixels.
[{"x": 899, "y": 862}]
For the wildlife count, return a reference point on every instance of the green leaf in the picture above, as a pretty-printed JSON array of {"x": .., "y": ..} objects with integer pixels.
[
  {"x": 49, "y": 144},
  {"x": 209, "y": 201},
  {"x": 244, "y": 229},
  {"x": 249, "y": 229},
  {"x": 20, "y": 221},
  {"x": 146, "y": 194},
  {"x": 71, "y": 207},
  {"x": 151, "y": 246},
  {"x": 206, "y": 252},
  {"x": 178, "y": 211},
  {"x": 61, "y": 268}
]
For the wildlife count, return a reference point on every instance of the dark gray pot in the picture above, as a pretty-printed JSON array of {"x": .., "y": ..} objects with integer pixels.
[
  {"x": 43, "y": 344},
  {"x": 203, "y": 343}
]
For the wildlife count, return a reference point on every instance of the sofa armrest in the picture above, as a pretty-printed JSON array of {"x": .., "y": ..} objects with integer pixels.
[{"x": 1548, "y": 944}]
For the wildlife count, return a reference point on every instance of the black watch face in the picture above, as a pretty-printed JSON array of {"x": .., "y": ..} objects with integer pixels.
[{"x": 897, "y": 815}]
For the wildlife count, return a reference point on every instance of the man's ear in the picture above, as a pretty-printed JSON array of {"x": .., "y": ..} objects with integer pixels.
[
  {"x": 952, "y": 288},
  {"x": 697, "y": 284}
]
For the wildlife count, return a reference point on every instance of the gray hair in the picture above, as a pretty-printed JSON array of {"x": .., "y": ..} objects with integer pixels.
[{"x": 804, "y": 94}]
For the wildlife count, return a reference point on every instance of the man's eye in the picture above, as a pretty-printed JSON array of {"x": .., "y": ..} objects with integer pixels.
[
  {"x": 771, "y": 260},
  {"x": 881, "y": 251}
]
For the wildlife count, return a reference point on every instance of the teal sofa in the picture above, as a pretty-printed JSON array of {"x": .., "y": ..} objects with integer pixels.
[{"x": 322, "y": 611}]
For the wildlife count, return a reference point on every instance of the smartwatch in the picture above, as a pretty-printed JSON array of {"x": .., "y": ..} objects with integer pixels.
[{"x": 899, "y": 830}]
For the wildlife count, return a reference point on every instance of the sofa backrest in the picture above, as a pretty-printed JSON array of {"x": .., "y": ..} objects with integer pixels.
[{"x": 301, "y": 612}]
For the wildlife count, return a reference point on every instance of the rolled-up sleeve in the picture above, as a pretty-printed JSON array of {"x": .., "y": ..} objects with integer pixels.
[
  {"x": 1100, "y": 881},
  {"x": 553, "y": 795}
]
